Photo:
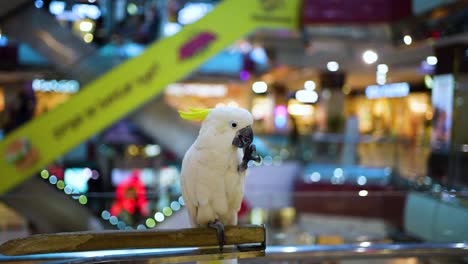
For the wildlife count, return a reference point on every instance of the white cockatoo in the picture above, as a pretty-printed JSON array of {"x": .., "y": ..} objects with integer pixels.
[{"x": 214, "y": 167}]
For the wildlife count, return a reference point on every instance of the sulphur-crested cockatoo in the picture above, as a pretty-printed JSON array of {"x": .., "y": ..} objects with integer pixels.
[{"x": 214, "y": 167}]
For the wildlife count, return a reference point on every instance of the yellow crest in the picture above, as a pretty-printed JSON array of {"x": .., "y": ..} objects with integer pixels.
[{"x": 197, "y": 114}]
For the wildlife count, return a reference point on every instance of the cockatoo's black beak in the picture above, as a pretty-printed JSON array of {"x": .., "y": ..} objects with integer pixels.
[{"x": 243, "y": 138}]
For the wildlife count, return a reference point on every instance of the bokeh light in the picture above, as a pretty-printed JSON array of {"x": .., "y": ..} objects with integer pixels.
[
  {"x": 259, "y": 87},
  {"x": 83, "y": 199},
  {"x": 121, "y": 225},
  {"x": 167, "y": 211},
  {"x": 150, "y": 223},
  {"x": 44, "y": 174},
  {"x": 105, "y": 215},
  {"x": 175, "y": 206},
  {"x": 113, "y": 220},
  {"x": 333, "y": 66},
  {"x": 159, "y": 217},
  {"x": 60, "y": 184},
  {"x": 53, "y": 179},
  {"x": 88, "y": 37},
  {"x": 68, "y": 189},
  {"x": 370, "y": 56},
  {"x": 407, "y": 39}
]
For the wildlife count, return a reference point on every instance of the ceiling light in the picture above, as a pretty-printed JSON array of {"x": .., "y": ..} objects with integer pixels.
[
  {"x": 259, "y": 87},
  {"x": 309, "y": 85},
  {"x": 381, "y": 79},
  {"x": 300, "y": 109},
  {"x": 333, "y": 66},
  {"x": 306, "y": 96},
  {"x": 369, "y": 56},
  {"x": 326, "y": 94},
  {"x": 39, "y": 3},
  {"x": 132, "y": 9},
  {"x": 86, "y": 26},
  {"x": 407, "y": 39},
  {"x": 88, "y": 37},
  {"x": 382, "y": 68},
  {"x": 363, "y": 193},
  {"x": 152, "y": 150},
  {"x": 56, "y": 7},
  {"x": 431, "y": 60}
]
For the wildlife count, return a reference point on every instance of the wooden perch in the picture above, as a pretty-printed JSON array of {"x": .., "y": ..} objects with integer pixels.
[{"x": 107, "y": 240}]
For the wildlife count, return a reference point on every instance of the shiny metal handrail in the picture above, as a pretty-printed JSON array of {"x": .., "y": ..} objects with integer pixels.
[
  {"x": 366, "y": 250},
  {"x": 273, "y": 253},
  {"x": 166, "y": 255}
]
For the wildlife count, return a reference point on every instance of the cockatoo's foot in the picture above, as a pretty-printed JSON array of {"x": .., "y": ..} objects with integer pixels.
[
  {"x": 219, "y": 232},
  {"x": 250, "y": 153}
]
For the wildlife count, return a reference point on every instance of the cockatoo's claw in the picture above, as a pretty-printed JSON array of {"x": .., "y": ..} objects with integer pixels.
[
  {"x": 250, "y": 153},
  {"x": 254, "y": 155},
  {"x": 219, "y": 232}
]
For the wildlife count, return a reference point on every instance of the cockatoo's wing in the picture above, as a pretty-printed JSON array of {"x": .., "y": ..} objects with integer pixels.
[
  {"x": 188, "y": 193},
  {"x": 203, "y": 186}
]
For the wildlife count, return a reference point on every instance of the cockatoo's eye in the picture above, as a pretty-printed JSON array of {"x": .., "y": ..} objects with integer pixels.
[{"x": 233, "y": 124}]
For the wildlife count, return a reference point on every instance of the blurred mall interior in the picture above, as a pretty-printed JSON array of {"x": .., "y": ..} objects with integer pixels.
[{"x": 359, "y": 116}]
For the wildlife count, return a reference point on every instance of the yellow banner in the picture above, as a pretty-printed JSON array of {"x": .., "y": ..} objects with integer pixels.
[{"x": 120, "y": 91}]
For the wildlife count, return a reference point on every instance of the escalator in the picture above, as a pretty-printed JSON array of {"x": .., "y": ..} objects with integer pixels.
[
  {"x": 111, "y": 95},
  {"x": 45, "y": 208}
]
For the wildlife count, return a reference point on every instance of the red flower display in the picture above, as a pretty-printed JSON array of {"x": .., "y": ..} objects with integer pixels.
[{"x": 130, "y": 196}]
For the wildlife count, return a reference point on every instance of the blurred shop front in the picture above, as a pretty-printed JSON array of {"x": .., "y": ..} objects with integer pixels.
[
  {"x": 402, "y": 113},
  {"x": 397, "y": 116},
  {"x": 310, "y": 114},
  {"x": 286, "y": 100},
  {"x": 20, "y": 102},
  {"x": 207, "y": 94},
  {"x": 52, "y": 93}
]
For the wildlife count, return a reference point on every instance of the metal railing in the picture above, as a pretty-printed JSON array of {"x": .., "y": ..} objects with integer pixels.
[
  {"x": 273, "y": 254},
  {"x": 365, "y": 250}
]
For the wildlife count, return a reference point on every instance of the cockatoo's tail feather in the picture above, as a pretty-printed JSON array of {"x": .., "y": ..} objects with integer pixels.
[{"x": 197, "y": 114}]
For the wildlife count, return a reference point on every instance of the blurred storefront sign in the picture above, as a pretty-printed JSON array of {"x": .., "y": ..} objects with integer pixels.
[
  {"x": 59, "y": 86},
  {"x": 148, "y": 176},
  {"x": 442, "y": 101},
  {"x": 195, "y": 89},
  {"x": 388, "y": 90},
  {"x": 151, "y": 178},
  {"x": 78, "y": 178},
  {"x": 49, "y": 94},
  {"x": 207, "y": 95}
]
